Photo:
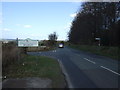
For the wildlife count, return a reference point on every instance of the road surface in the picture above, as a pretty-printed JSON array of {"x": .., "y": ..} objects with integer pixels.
[{"x": 85, "y": 70}]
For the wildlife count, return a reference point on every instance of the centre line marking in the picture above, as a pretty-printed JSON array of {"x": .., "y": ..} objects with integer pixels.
[
  {"x": 89, "y": 60},
  {"x": 110, "y": 70}
]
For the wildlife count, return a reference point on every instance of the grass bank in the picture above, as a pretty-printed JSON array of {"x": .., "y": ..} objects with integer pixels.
[
  {"x": 37, "y": 66},
  {"x": 112, "y": 52}
]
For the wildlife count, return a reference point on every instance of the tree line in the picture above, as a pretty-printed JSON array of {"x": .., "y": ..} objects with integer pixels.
[{"x": 96, "y": 20}]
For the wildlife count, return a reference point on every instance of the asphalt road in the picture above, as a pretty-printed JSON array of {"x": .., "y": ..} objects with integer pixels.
[{"x": 86, "y": 70}]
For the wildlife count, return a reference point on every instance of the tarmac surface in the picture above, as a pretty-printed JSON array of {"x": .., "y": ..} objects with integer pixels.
[
  {"x": 81, "y": 69},
  {"x": 85, "y": 70}
]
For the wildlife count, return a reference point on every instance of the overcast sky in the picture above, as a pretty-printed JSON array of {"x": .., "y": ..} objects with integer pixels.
[{"x": 36, "y": 20}]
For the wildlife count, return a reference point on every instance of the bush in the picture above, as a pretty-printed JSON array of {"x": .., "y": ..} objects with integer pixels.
[{"x": 10, "y": 54}]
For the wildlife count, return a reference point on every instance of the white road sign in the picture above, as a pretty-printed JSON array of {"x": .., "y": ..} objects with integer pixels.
[
  {"x": 97, "y": 38},
  {"x": 27, "y": 43}
]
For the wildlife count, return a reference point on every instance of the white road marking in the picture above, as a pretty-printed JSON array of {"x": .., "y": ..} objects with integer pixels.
[
  {"x": 70, "y": 85},
  {"x": 54, "y": 51},
  {"x": 110, "y": 70},
  {"x": 89, "y": 60}
]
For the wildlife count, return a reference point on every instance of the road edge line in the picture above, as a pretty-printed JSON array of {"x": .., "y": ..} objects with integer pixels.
[{"x": 66, "y": 75}]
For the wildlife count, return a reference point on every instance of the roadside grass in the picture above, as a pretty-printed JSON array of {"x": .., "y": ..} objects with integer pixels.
[
  {"x": 37, "y": 66},
  {"x": 112, "y": 52}
]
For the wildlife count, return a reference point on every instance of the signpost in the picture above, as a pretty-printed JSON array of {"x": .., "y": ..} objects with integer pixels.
[
  {"x": 98, "y": 39},
  {"x": 25, "y": 43}
]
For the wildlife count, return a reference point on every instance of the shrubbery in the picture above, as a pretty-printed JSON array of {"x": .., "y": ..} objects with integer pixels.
[{"x": 10, "y": 54}]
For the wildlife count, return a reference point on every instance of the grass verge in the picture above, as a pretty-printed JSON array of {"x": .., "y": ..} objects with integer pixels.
[
  {"x": 37, "y": 66},
  {"x": 112, "y": 52}
]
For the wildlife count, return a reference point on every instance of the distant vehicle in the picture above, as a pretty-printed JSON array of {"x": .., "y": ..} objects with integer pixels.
[{"x": 61, "y": 45}]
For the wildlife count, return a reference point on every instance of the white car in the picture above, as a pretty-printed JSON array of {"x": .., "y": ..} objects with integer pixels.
[{"x": 61, "y": 45}]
